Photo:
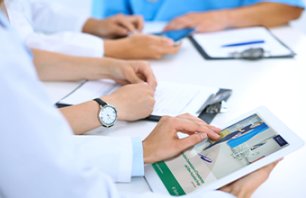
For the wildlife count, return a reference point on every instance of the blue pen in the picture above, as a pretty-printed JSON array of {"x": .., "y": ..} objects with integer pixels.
[
  {"x": 205, "y": 158},
  {"x": 244, "y": 43}
]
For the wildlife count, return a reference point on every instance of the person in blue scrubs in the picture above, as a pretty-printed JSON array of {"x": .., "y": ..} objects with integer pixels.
[{"x": 205, "y": 16}]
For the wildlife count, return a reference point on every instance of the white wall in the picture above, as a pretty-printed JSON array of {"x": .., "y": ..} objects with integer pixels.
[{"x": 84, "y": 6}]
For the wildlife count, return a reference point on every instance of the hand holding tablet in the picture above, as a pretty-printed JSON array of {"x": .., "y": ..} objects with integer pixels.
[
  {"x": 246, "y": 145},
  {"x": 246, "y": 186}
]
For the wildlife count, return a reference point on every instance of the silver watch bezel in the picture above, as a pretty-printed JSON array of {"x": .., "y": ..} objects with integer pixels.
[{"x": 101, "y": 117}]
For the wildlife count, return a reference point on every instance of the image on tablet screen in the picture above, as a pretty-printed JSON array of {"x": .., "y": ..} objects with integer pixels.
[{"x": 240, "y": 144}]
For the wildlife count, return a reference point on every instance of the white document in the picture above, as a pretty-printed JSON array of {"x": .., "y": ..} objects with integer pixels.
[
  {"x": 212, "y": 43},
  {"x": 171, "y": 98},
  {"x": 89, "y": 90}
]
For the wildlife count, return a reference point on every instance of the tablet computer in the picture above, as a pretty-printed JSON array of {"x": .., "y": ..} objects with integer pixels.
[
  {"x": 246, "y": 144},
  {"x": 176, "y": 35}
]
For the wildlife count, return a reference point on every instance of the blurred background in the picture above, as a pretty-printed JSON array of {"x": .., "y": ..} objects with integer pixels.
[{"x": 84, "y": 7}]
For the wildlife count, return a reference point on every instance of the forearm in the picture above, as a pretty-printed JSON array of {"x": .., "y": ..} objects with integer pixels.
[
  {"x": 58, "y": 67},
  {"x": 266, "y": 14},
  {"x": 117, "y": 48},
  {"x": 82, "y": 117}
]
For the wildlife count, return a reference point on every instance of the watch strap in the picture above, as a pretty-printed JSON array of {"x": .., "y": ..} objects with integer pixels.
[{"x": 100, "y": 102}]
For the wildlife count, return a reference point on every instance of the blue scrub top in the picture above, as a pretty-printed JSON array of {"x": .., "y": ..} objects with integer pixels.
[{"x": 166, "y": 10}]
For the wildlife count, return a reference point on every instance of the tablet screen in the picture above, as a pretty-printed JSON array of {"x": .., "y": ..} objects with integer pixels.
[{"x": 240, "y": 145}]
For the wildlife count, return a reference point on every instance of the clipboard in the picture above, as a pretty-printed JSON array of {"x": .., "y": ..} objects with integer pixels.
[
  {"x": 214, "y": 105},
  {"x": 210, "y": 109},
  {"x": 273, "y": 47}
]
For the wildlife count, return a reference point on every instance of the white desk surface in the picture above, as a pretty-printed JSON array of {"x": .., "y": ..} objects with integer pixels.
[{"x": 278, "y": 84}]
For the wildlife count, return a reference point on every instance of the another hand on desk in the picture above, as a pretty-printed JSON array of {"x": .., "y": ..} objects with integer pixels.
[
  {"x": 133, "y": 102},
  {"x": 202, "y": 22},
  {"x": 115, "y": 26},
  {"x": 130, "y": 72},
  {"x": 163, "y": 142},
  {"x": 140, "y": 46},
  {"x": 268, "y": 14},
  {"x": 246, "y": 186}
]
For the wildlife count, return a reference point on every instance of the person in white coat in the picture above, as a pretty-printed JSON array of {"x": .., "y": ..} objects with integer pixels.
[
  {"x": 136, "y": 76},
  {"x": 47, "y": 26},
  {"x": 41, "y": 158},
  {"x": 134, "y": 100}
]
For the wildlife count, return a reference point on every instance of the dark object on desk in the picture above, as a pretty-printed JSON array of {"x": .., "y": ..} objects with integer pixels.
[
  {"x": 250, "y": 54},
  {"x": 62, "y": 105},
  {"x": 213, "y": 105},
  {"x": 153, "y": 118}
]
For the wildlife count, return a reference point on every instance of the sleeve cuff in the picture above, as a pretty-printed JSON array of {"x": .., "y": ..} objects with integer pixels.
[{"x": 138, "y": 163}]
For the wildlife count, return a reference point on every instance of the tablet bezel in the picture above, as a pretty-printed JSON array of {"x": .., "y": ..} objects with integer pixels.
[{"x": 278, "y": 126}]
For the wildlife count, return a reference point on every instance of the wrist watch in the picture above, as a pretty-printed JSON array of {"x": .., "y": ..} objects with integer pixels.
[{"x": 107, "y": 114}]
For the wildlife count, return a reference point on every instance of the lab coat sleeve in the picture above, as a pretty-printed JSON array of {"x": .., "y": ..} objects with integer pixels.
[
  {"x": 50, "y": 17},
  {"x": 111, "y": 155},
  {"x": 138, "y": 161},
  {"x": 121, "y": 158},
  {"x": 39, "y": 155},
  {"x": 66, "y": 42},
  {"x": 70, "y": 43}
]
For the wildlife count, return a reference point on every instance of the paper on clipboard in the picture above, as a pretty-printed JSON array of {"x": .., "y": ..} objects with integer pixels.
[{"x": 212, "y": 43}]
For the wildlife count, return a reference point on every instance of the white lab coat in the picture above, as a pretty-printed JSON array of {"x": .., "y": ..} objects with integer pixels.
[
  {"x": 39, "y": 155},
  {"x": 46, "y": 26}
]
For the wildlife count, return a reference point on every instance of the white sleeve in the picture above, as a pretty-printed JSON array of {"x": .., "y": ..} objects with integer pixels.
[
  {"x": 39, "y": 155},
  {"x": 111, "y": 155},
  {"x": 50, "y": 17},
  {"x": 70, "y": 43}
]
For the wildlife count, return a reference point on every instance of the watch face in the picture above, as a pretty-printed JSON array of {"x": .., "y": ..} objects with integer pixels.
[{"x": 108, "y": 115}]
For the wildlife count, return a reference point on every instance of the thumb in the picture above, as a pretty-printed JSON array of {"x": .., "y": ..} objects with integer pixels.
[{"x": 191, "y": 140}]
